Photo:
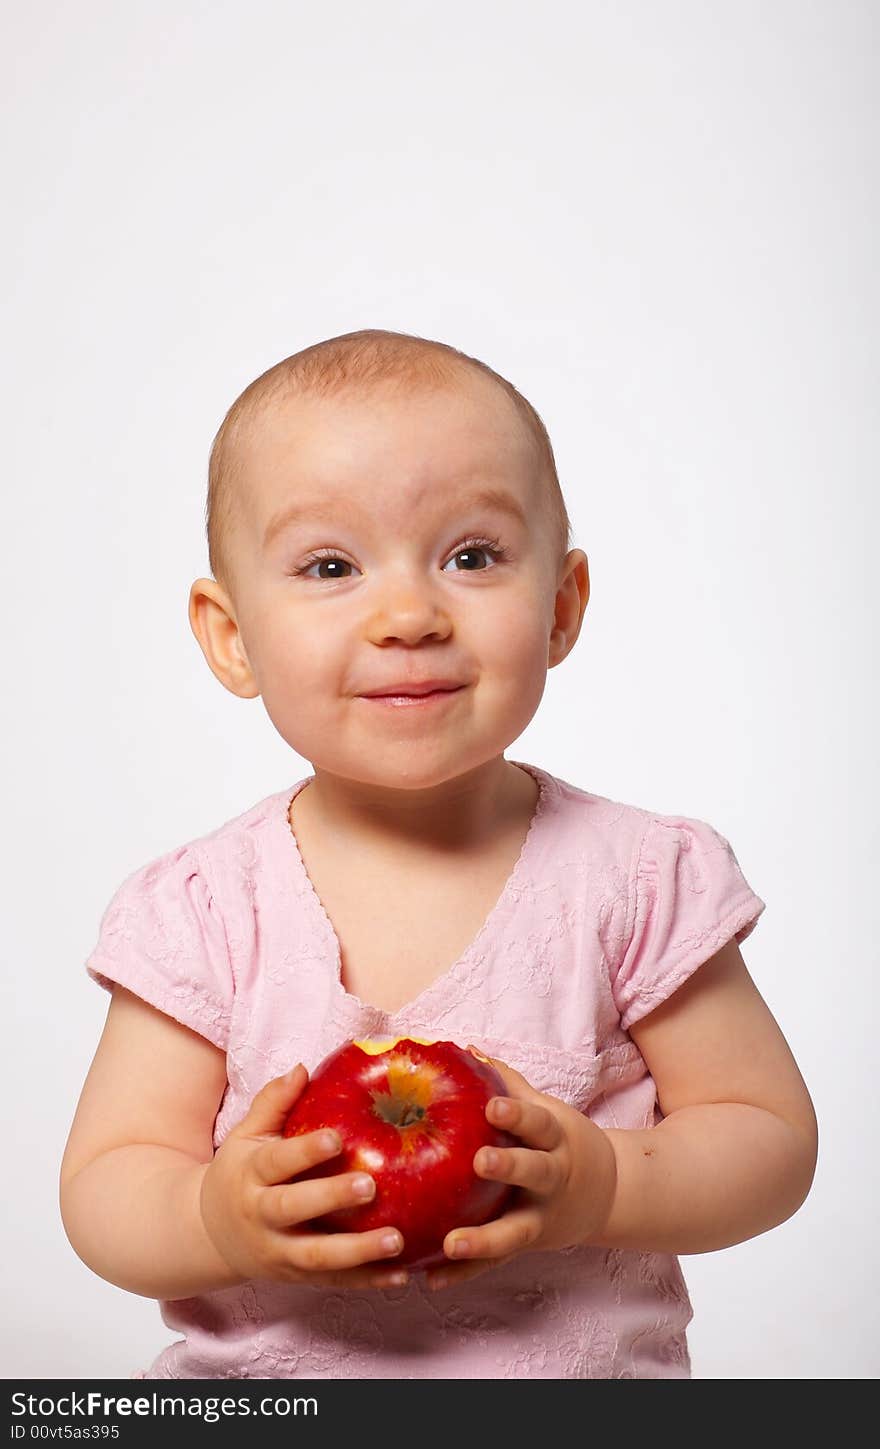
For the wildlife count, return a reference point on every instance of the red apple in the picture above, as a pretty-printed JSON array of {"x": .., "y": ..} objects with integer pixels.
[{"x": 411, "y": 1113}]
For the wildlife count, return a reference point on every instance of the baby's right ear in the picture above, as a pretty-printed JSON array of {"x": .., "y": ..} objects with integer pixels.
[{"x": 212, "y": 620}]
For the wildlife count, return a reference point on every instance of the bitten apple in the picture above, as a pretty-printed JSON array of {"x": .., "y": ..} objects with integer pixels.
[{"x": 412, "y": 1114}]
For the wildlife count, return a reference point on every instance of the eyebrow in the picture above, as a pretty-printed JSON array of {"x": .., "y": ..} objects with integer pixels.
[{"x": 496, "y": 498}]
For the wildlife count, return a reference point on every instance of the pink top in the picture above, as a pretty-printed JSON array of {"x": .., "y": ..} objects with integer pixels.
[{"x": 608, "y": 909}]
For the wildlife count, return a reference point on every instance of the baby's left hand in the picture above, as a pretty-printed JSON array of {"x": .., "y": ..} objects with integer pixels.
[{"x": 565, "y": 1174}]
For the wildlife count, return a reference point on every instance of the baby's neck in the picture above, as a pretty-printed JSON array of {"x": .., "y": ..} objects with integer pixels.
[{"x": 460, "y": 816}]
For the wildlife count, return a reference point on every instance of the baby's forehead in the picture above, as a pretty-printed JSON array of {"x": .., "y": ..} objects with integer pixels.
[
  {"x": 477, "y": 398},
  {"x": 468, "y": 428}
]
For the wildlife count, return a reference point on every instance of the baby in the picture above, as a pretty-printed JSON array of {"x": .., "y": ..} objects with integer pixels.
[{"x": 392, "y": 576}]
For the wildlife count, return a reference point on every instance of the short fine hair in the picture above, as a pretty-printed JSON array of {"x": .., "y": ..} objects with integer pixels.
[{"x": 356, "y": 361}]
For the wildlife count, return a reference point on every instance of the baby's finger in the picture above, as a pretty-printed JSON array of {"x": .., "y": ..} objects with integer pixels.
[
  {"x": 531, "y": 1121},
  {"x": 378, "y": 1276},
  {"x": 512, "y": 1233},
  {"x": 527, "y": 1167},
  {"x": 514, "y": 1081},
  {"x": 332, "y": 1252},
  {"x": 292, "y": 1203},
  {"x": 285, "y": 1157},
  {"x": 271, "y": 1106},
  {"x": 452, "y": 1274}
]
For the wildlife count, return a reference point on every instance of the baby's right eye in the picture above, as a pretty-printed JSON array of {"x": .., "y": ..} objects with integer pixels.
[{"x": 318, "y": 558}]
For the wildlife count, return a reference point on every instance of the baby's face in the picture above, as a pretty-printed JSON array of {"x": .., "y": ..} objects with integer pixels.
[{"x": 367, "y": 558}]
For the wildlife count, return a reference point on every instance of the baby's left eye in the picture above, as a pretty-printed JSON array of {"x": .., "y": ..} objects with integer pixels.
[{"x": 471, "y": 550}]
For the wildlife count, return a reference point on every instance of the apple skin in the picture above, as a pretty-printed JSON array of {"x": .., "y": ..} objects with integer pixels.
[{"x": 411, "y": 1113}]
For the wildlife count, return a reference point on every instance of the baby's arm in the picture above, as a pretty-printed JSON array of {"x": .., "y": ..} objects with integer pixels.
[
  {"x": 140, "y": 1181},
  {"x": 733, "y": 1156},
  {"x": 736, "y": 1151}
]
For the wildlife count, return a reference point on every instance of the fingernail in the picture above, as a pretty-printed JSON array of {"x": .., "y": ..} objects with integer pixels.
[
  {"x": 394, "y": 1280},
  {"x": 363, "y": 1187},
  {"x": 501, "y": 1110},
  {"x": 488, "y": 1159},
  {"x": 460, "y": 1248},
  {"x": 392, "y": 1243},
  {"x": 330, "y": 1142}
]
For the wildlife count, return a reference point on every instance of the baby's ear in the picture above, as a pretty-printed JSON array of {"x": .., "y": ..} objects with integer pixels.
[{"x": 212, "y": 620}]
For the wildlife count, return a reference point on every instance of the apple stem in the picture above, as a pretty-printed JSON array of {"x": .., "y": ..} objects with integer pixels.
[{"x": 399, "y": 1113}]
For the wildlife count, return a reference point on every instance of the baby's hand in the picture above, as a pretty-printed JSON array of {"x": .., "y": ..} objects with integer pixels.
[
  {"x": 253, "y": 1213},
  {"x": 566, "y": 1175}
]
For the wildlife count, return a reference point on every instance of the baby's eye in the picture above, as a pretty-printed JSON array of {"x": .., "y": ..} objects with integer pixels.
[
  {"x": 471, "y": 549},
  {"x": 330, "y": 559}
]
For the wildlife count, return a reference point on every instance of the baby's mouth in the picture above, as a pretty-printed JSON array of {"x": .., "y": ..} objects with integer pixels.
[{"x": 402, "y": 699}]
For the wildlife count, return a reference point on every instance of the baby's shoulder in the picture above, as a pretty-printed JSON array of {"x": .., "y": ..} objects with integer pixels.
[
  {"x": 230, "y": 852},
  {"x": 269, "y": 813},
  {"x": 630, "y": 835},
  {"x": 617, "y": 823}
]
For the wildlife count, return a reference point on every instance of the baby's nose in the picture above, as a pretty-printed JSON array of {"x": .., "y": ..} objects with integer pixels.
[{"x": 410, "y": 611}]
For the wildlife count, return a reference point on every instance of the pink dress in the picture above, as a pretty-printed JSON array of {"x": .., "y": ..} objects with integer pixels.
[{"x": 608, "y": 909}]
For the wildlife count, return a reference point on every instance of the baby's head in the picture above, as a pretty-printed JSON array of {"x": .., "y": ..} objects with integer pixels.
[{"x": 383, "y": 510}]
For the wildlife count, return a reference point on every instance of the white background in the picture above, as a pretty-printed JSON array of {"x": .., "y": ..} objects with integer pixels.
[{"x": 659, "y": 220}]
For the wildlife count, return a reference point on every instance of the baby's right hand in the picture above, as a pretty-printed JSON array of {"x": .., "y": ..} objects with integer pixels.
[{"x": 253, "y": 1213}]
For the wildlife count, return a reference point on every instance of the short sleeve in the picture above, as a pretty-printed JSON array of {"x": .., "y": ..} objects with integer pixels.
[
  {"x": 691, "y": 898},
  {"x": 162, "y": 937}
]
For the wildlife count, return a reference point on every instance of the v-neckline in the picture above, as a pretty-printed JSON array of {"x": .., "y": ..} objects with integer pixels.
[{"x": 448, "y": 976}]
